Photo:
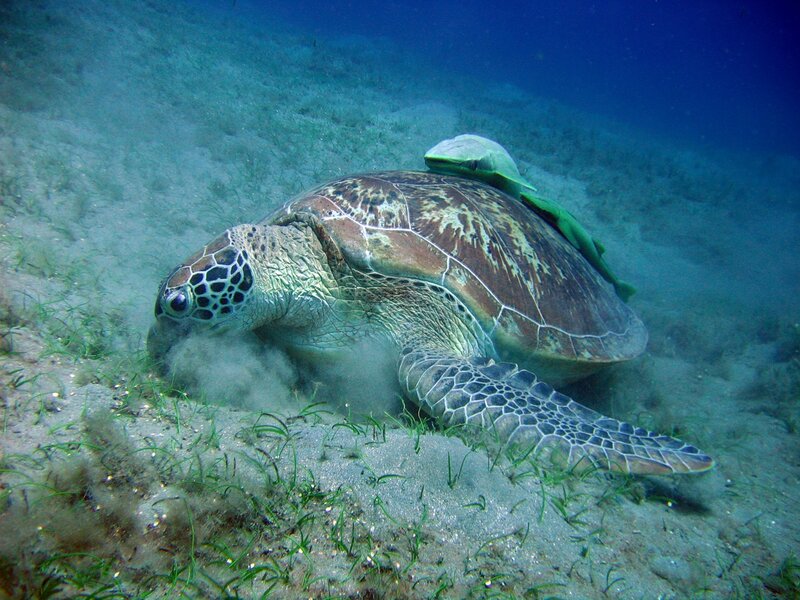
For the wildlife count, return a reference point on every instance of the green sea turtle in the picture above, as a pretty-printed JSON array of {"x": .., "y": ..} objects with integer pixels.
[
  {"x": 473, "y": 291},
  {"x": 480, "y": 158}
]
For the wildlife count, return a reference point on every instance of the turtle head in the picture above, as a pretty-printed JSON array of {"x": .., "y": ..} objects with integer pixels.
[
  {"x": 213, "y": 288},
  {"x": 478, "y": 158},
  {"x": 249, "y": 277}
]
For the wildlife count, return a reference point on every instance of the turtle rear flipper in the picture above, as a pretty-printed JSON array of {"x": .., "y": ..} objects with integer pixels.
[{"x": 526, "y": 412}]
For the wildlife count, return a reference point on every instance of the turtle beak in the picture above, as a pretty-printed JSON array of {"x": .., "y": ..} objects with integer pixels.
[{"x": 163, "y": 335}]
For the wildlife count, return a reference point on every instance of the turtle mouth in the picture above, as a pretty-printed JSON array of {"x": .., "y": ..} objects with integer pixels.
[
  {"x": 163, "y": 335},
  {"x": 168, "y": 331}
]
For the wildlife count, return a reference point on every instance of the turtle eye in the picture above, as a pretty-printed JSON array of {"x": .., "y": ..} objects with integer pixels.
[{"x": 177, "y": 303}]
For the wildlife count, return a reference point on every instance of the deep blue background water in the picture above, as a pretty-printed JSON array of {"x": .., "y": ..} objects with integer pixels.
[{"x": 725, "y": 73}]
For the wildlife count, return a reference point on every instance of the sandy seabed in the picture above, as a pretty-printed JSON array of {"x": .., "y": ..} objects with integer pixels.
[{"x": 133, "y": 133}]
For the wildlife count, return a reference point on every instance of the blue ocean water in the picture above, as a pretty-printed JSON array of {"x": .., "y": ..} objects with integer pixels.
[
  {"x": 709, "y": 72},
  {"x": 132, "y": 133}
]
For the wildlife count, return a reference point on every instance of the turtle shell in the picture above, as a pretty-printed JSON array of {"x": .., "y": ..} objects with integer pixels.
[{"x": 535, "y": 296}]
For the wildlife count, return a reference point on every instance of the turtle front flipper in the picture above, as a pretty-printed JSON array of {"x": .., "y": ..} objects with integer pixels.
[{"x": 526, "y": 412}]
